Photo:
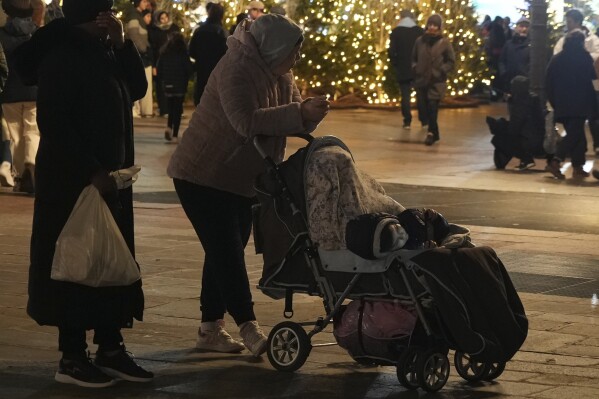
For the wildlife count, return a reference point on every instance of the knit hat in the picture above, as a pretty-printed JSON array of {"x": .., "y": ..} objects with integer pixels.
[
  {"x": 17, "y": 8},
  {"x": 523, "y": 20},
  {"x": 436, "y": 20},
  {"x": 256, "y": 4},
  {"x": 276, "y": 36},
  {"x": 80, "y": 11}
]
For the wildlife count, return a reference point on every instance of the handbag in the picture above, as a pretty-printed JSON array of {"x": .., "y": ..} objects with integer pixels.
[{"x": 90, "y": 249}]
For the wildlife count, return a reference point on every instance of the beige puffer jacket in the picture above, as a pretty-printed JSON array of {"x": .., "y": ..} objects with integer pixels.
[{"x": 242, "y": 99}]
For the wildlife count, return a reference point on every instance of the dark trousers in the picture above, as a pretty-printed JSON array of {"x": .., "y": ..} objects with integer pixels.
[
  {"x": 160, "y": 96},
  {"x": 594, "y": 127},
  {"x": 5, "y": 154},
  {"x": 223, "y": 222},
  {"x": 72, "y": 341},
  {"x": 406, "y": 95},
  {"x": 575, "y": 142},
  {"x": 431, "y": 108},
  {"x": 175, "y": 110}
]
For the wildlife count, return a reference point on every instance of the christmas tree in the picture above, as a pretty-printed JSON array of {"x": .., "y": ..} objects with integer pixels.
[{"x": 346, "y": 44}]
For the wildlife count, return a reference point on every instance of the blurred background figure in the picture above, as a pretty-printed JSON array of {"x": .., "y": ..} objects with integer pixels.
[
  {"x": 515, "y": 56},
  {"x": 570, "y": 91},
  {"x": 401, "y": 45},
  {"x": 174, "y": 69},
  {"x": 158, "y": 34},
  {"x": 433, "y": 58},
  {"x": 136, "y": 30},
  {"x": 238, "y": 19},
  {"x": 18, "y": 101},
  {"x": 255, "y": 9},
  {"x": 207, "y": 46}
]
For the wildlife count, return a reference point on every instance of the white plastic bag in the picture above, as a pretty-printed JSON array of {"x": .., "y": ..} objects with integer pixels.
[{"x": 90, "y": 249}]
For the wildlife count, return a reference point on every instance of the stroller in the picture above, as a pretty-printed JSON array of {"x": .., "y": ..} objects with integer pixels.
[{"x": 422, "y": 302}]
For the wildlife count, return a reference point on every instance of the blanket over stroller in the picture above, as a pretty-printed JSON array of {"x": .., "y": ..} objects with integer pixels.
[{"x": 337, "y": 192}]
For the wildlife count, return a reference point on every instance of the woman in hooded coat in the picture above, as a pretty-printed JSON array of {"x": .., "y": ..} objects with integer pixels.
[{"x": 251, "y": 92}]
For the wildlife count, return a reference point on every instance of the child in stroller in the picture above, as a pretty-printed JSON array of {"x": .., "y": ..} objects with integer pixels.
[{"x": 327, "y": 229}]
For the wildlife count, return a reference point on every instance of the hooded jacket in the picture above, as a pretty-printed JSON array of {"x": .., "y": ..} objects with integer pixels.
[
  {"x": 515, "y": 58},
  {"x": 86, "y": 90},
  {"x": 242, "y": 99}
]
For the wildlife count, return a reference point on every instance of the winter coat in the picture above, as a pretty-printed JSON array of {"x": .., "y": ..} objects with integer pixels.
[
  {"x": 432, "y": 59},
  {"x": 12, "y": 35},
  {"x": 86, "y": 91},
  {"x": 515, "y": 59},
  {"x": 569, "y": 84},
  {"x": 174, "y": 70},
  {"x": 207, "y": 46},
  {"x": 3, "y": 69},
  {"x": 137, "y": 31},
  {"x": 242, "y": 99},
  {"x": 401, "y": 44},
  {"x": 158, "y": 36},
  {"x": 591, "y": 44}
]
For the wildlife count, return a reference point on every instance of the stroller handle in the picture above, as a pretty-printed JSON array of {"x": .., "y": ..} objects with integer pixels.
[{"x": 260, "y": 138}]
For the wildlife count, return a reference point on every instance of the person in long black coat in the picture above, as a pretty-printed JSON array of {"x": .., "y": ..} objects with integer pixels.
[
  {"x": 207, "y": 46},
  {"x": 401, "y": 45},
  {"x": 570, "y": 92},
  {"x": 87, "y": 78}
]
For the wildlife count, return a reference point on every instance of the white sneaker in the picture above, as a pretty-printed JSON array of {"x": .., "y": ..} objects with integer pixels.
[
  {"x": 253, "y": 337},
  {"x": 6, "y": 179},
  {"x": 218, "y": 340}
]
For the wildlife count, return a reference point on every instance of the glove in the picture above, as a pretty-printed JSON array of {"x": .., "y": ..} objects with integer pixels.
[{"x": 125, "y": 178}]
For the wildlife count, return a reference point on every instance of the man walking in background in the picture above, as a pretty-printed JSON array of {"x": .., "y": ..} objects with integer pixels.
[{"x": 402, "y": 41}]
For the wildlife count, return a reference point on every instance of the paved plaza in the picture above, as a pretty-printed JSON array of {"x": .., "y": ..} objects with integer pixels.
[{"x": 553, "y": 257}]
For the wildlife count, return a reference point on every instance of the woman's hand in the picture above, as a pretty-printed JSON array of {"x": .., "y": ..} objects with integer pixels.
[
  {"x": 113, "y": 26},
  {"x": 105, "y": 183},
  {"x": 314, "y": 109}
]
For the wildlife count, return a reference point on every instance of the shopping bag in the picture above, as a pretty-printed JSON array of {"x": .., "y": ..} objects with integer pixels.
[{"x": 90, "y": 249}]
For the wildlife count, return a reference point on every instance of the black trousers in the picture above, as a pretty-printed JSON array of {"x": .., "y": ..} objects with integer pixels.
[
  {"x": 431, "y": 108},
  {"x": 575, "y": 142},
  {"x": 72, "y": 341},
  {"x": 223, "y": 222},
  {"x": 175, "y": 111}
]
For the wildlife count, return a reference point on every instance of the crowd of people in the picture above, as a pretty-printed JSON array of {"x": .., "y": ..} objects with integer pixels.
[
  {"x": 70, "y": 77},
  {"x": 422, "y": 60}
]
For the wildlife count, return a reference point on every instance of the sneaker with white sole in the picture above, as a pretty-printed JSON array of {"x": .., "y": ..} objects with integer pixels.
[
  {"x": 80, "y": 371},
  {"x": 253, "y": 337},
  {"x": 218, "y": 340}
]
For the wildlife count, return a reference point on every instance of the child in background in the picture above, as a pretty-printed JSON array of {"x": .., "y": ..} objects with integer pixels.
[{"x": 174, "y": 69}]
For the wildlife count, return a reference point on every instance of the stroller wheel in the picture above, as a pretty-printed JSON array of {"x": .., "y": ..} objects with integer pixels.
[
  {"x": 468, "y": 369},
  {"x": 288, "y": 346},
  {"x": 432, "y": 370},
  {"x": 406, "y": 369},
  {"x": 495, "y": 370}
]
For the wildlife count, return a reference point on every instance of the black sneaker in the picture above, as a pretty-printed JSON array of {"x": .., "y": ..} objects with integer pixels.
[
  {"x": 525, "y": 166},
  {"x": 431, "y": 138},
  {"x": 121, "y": 365},
  {"x": 82, "y": 372}
]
